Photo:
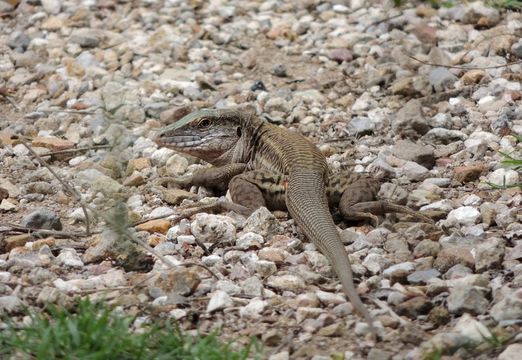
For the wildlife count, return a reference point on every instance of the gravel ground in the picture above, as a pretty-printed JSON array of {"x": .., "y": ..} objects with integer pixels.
[{"x": 431, "y": 97}]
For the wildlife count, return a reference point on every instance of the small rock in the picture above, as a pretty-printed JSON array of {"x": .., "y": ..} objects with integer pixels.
[
  {"x": 378, "y": 354},
  {"x": 155, "y": 226},
  {"x": 18, "y": 40},
  {"x": 464, "y": 174},
  {"x": 52, "y": 6},
  {"x": 42, "y": 218},
  {"x": 69, "y": 257},
  {"x": 471, "y": 77},
  {"x": 467, "y": 299},
  {"x": 453, "y": 255},
  {"x": 176, "y": 196},
  {"x": 477, "y": 13},
  {"x": 254, "y": 308},
  {"x": 213, "y": 228},
  {"x": 409, "y": 120},
  {"x": 218, "y": 301},
  {"x": 441, "y": 79},
  {"x": 408, "y": 150},
  {"x": 333, "y": 330},
  {"x": 272, "y": 337},
  {"x": 10, "y": 304},
  {"x": 512, "y": 352},
  {"x": 262, "y": 222},
  {"x": 52, "y": 143},
  {"x": 426, "y": 248},
  {"x": 439, "y": 316},
  {"x": 96, "y": 181},
  {"x": 464, "y": 215},
  {"x": 279, "y": 70},
  {"x": 341, "y": 55},
  {"x": 474, "y": 330},
  {"x": 288, "y": 282},
  {"x": 173, "y": 282},
  {"x": 414, "y": 307},
  {"x": 509, "y": 308},
  {"x": 85, "y": 37},
  {"x": 489, "y": 254},
  {"x": 503, "y": 177},
  {"x": 422, "y": 276}
]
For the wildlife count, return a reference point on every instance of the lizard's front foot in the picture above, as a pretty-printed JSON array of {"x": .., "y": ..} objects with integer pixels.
[{"x": 184, "y": 180}]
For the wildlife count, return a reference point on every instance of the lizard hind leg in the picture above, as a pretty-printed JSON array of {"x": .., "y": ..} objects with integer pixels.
[{"x": 254, "y": 189}]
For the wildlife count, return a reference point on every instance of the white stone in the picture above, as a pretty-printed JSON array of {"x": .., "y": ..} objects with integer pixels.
[
  {"x": 328, "y": 298},
  {"x": 474, "y": 330},
  {"x": 218, "y": 301},
  {"x": 253, "y": 309},
  {"x": 512, "y": 352},
  {"x": 464, "y": 215},
  {"x": 287, "y": 282},
  {"x": 213, "y": 228},
  {"x": 228, "y": 286},
  {"x": 249, "y": 240},
  {"x": 69, "y": 257},
  {"x": 405, "y": 266},
  {"x": 503, "y": 177},
  {"x": 52, "y": 6}
]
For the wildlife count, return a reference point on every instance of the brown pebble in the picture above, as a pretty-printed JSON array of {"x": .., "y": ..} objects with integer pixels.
[
  {"x": 464, "y": 174},
  {"x": 160, "y": 226}
]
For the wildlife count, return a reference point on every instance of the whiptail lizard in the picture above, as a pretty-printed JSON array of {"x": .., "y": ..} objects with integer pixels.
[{"x": 266, "y": 165}]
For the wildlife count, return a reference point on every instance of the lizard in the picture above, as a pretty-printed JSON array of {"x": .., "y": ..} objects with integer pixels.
[{"x": 266, "y": 165}]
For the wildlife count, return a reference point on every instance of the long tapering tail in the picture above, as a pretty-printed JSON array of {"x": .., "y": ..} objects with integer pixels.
[{"x": 307, "y": 204}]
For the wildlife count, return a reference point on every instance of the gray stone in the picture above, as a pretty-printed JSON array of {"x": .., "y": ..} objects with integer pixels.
[
  {"x": 218, "y": 301},
  {"x": 287, "y": 282},
  {"x": 509, "y": 308},
  {"x": 441, "y": 79},
  {"x": 409, "y": 121},
  {"x": 18, "y": 40},
  {"x": 52, "y": 6},
  {"x": 378, "y": 354},
  {"x": 489, "y": 254},
  {"x": 426, "y": 248},
  {"x": 262, "y": 222},
  {"x": 42, "y": 218},
  {"x": 512, "y": 352},
  {"x": 95, "y": 181},
  {"x": 85, "y": 37},
  {"x": 467, "y": 299},
  {"x": 419, "y": 153},
  {"x": 10, "y": 304},
  {"x": 423, "y": 276}
]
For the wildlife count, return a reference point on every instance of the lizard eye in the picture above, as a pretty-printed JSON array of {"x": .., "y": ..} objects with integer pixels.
[
  {"x": 238, "y": 131},
  {"x": 204, "y": 123}
]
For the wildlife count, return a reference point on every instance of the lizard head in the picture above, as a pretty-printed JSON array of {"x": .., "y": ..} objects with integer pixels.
[{"x": 208, "y": 134}]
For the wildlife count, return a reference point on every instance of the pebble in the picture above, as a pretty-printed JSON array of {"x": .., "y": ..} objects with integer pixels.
[
  {"x": 219, "y": 300},
  {"x": 52, "y": 6},
  {"x": 464, "y": 215},
  {"x": 42, "y": 218},
  {"x": 213, "y": 228},
  {"x": 69, "y": 257},
  {"x": 503, "y": 177},
  {"x": 467, "y": 299}
]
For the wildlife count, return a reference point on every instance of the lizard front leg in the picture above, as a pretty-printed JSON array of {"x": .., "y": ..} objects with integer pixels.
[{"x": 214, "y": 177}]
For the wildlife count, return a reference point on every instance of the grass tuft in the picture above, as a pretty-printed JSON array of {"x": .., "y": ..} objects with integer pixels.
[{"x": 95, "y": 332}]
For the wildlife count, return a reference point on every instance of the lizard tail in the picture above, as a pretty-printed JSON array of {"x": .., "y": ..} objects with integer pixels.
[{"x": 307, "y": 204}]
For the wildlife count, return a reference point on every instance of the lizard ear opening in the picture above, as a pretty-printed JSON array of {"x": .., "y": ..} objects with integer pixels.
[{"x": 238, "y": 131}]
